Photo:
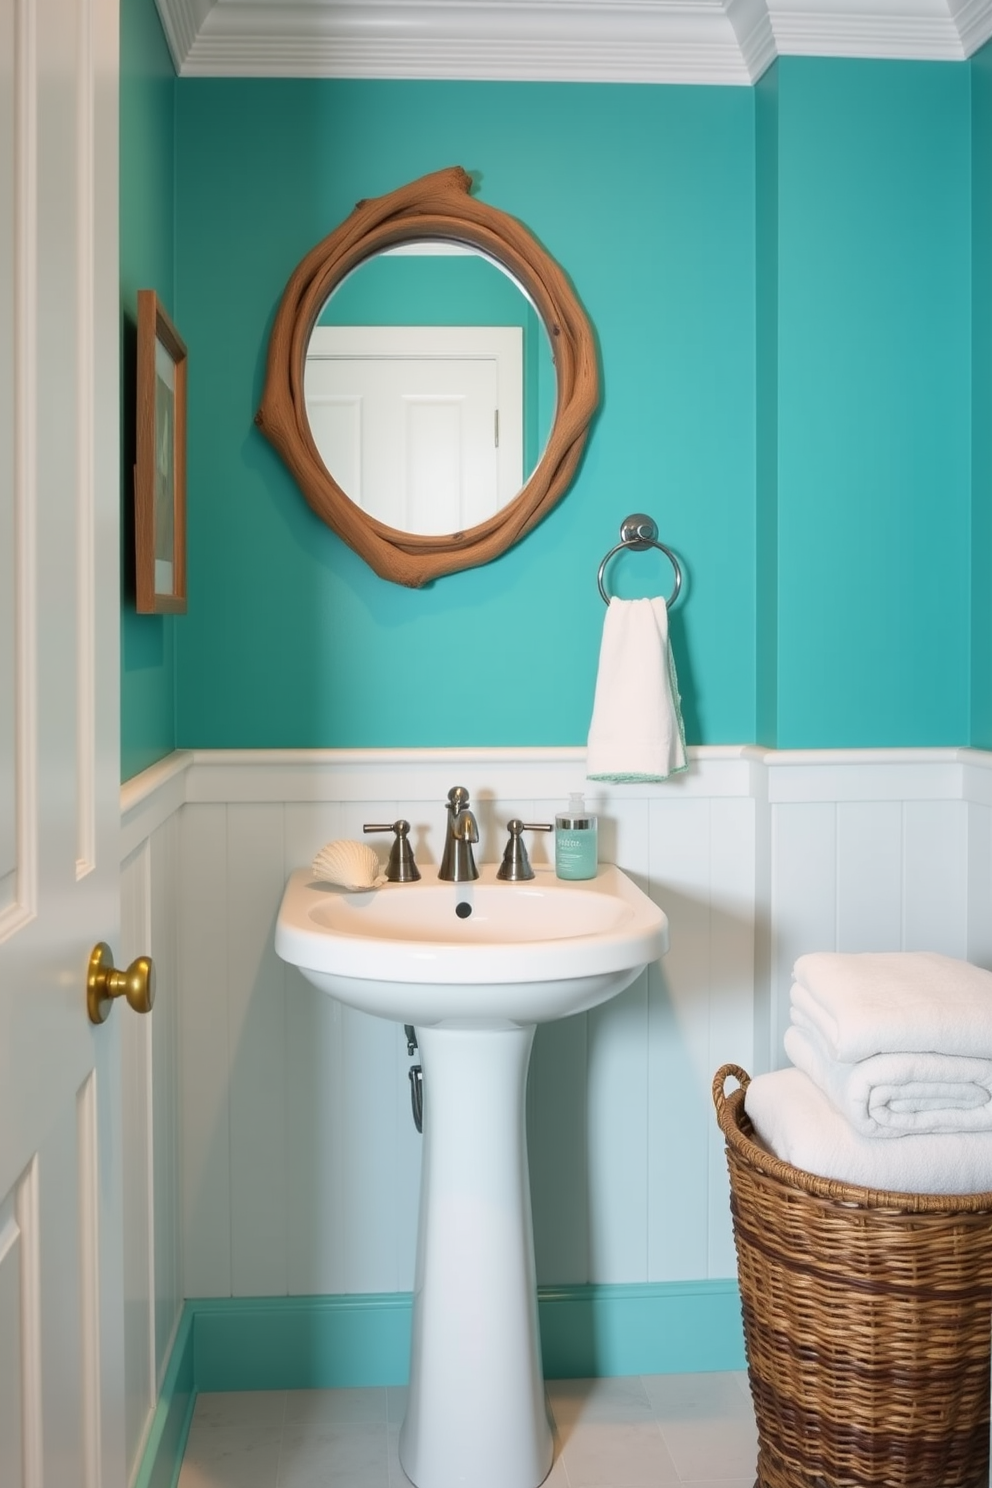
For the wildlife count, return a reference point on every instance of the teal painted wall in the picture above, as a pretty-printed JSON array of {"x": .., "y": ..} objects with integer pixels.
[
  {"x": 981, "y": 533},
  {"x": 766, "y": 406},
  {"x": 147, "y": 256},
  {"x": 646, "y": 196},
  {"x": 874, "y": 419},
  {"x": 790, "y": 292}
]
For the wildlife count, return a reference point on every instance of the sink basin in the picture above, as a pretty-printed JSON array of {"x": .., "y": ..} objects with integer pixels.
[
  {"x": 474, "y": 967},
  {"x": 481, "y": 954}
]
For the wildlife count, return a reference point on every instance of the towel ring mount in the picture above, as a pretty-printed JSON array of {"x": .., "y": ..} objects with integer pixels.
[{"x": 638, "y": 533}]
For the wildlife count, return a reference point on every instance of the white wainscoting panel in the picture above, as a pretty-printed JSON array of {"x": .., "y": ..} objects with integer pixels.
[
  {"x": 298, "y": 1162},
  {"x": 150, "y": 1139},
  {"x": 258, "y": 1076},
  {"x": 163, "y": 938},
  {"x": 11, "y": 1345},
  {"x": 935, "y": 895},
  {"x": 320, "y": 1193},
  {"x": 803, "y": 903},
  {"x": 353, "y": 1155},
  {"x": 885, "y": 850},
  {"x": 204, "y": 1053},
  {"x": 979, "y": 880},
  {"x": 141, "y": 1385}
]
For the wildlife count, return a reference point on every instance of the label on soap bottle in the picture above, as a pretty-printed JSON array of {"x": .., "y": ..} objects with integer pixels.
[{"x": 575, "y": 847}]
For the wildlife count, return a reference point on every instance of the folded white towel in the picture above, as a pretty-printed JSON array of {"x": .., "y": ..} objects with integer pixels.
[
  {"x": 892, "y": 1001},
  {"x": 636, "y": 731},
  {"x": 797, "y": 1123},
  {"x": 894, "y": 1095}
]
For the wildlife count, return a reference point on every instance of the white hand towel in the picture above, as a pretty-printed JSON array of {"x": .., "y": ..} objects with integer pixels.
[
  {"x": 636, "y": 731},
  {"x": 894, "y": 1095},
  {"x": 795, "y": 1120},
  {"x": 892, "y": 1001}
]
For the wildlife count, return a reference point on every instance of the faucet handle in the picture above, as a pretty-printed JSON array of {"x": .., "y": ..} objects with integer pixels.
[
  {"x": 515, "y": 867},
  {"x": 401, "y": 868}
]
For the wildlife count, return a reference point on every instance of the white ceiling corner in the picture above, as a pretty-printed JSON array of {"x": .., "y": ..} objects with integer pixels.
[{"x": 661, "y": 41}]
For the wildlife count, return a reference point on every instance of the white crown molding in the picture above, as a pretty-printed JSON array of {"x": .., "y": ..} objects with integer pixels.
[
  {"x": 641, "y": 41},
  {"x": 890, "y": 28},
  {"x": 182, "y": 22},
  {"x": 973, "y": 19}
]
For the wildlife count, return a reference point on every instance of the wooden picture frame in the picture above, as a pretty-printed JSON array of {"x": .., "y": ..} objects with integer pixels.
[{"x": 160, "y": 462}]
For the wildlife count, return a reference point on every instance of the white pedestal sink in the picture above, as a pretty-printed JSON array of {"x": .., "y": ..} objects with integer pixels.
[{"x": 474, "y": 967}]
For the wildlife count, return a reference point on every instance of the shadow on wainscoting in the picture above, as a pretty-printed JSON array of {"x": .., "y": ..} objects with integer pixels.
[{"x": 628, "y": 1175}]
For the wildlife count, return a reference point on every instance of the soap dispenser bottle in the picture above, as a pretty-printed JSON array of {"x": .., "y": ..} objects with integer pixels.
[{"x": 575, "y": 840}]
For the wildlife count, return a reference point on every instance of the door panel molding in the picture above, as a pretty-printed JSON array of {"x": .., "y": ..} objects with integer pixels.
[
  {"x": 88, "y": 1179},
  {"x": 86, "y": 684},
  {"x": 11, "y": 1410},
  {"x": 22, "y": 293},
  {"x": 26, "y": 1209}
]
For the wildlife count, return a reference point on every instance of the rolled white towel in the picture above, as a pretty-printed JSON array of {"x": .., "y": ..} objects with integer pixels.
[
  {"x": 897, "y": 1095},
  {"x": 797, "y": 1122},
  {"x": 888, "y": 1002}
]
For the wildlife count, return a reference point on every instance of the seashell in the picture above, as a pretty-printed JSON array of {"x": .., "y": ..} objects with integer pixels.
[{"x": 353, "y": 865}]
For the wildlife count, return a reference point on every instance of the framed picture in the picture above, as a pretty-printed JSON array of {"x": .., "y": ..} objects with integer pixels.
[{"x": 160, "y": 462}]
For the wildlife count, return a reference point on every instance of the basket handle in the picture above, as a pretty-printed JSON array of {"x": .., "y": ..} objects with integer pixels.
[{"x": 720, "y": 1079}]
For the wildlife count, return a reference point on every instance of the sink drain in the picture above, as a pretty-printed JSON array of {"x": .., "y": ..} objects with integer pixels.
[{"x": 463, "y": 910}]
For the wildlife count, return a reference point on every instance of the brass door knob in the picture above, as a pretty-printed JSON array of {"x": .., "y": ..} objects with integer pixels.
[{"x": 104, "y": 982}]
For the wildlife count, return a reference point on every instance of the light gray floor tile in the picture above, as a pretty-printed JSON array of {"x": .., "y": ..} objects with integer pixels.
[
  {"x": 598, "y": 1400},
  {"x": 397, "y": 1477},
  {"x": 318, "y": 1407},
  {"x": 228, "y": 1457},
  {"x": 396, "y": 1404},
  {"x": 655, "y": 1431},
  {"x": 228, "y": 1407},
  {"x": 747, "y": 1482},
  {"x": 704, "y": 1449},
  {"x": 557, "y": 1477},
  {"x": 349, "y": 1455},
  {"x": 210, "y": 1439},
  {"x": 617, "y": 1454},
  {"x": 684, "y": 1397}
]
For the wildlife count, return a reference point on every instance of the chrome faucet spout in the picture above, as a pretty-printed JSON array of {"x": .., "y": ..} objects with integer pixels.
[{"x": 458, "y": 862}]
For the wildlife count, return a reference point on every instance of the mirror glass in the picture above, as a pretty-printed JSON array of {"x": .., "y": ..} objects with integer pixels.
[{"x": 430, "y": 386}]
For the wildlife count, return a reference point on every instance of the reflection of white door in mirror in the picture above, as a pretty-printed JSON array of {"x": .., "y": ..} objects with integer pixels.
[{"x": 421, "y": 426}]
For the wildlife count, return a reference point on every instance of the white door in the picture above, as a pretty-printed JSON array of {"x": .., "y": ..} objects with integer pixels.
[
  {"x": 422, "y": 426},
  {"x": 60, "y": 1245}
]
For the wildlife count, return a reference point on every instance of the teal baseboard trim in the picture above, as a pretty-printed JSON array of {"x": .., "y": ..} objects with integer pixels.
[
  {"x": 669, "y": 1327},
  {"x": 301, "y": 1343},
  {"x": 163, "y": 1454}
]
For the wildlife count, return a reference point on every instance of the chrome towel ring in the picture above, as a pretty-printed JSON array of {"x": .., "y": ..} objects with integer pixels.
[{"x": 639, "y": 532}]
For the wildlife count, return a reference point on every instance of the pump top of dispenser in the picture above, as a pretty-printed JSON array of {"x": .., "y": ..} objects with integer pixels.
[{"x": 576, "y": 816}]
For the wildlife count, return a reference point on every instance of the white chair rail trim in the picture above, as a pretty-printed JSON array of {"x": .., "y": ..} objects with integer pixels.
[{"x": 716, "y": 770}]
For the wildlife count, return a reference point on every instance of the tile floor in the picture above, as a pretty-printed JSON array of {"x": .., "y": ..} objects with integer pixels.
[{"x": 643, "y": 1431}]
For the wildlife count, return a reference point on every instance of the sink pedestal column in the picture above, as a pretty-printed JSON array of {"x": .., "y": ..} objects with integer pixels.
[{"x": 476, "y": 1414}]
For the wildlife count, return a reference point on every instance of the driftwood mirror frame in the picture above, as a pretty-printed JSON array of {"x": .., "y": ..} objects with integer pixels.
[{"x": 436, "y": 206}]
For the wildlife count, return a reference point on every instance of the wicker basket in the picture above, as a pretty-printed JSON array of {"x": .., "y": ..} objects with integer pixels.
[{"x": 867, "y": 1322}]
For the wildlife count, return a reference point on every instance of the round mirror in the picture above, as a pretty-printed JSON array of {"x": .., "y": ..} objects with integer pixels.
[
  {"x": 430, "y": 387},
  {"x": 438, "y": 228}
]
